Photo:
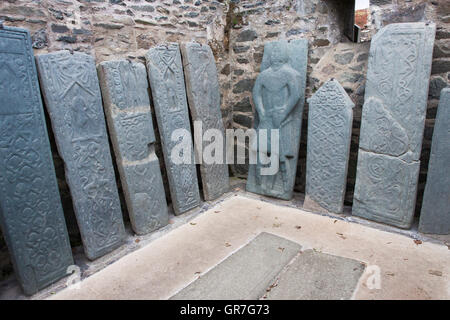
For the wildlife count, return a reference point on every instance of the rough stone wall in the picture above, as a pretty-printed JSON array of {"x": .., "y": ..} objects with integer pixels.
[{"x": 236, "y": 31}]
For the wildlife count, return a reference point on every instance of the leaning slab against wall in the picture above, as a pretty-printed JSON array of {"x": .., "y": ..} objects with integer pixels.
[
  {"x": 392, "y": 123},
  {"x": 279, "y": 96},
  {"x": 127, "y": 107},
  {"x": 31, "y": 214},
  {"x": 71, "y": 91},
  {"x": 165, "y": 72},
  {"x": 435, "y": 213},
  {"x": 329, "y": 133},
  {"x": 202, "y": 86}
]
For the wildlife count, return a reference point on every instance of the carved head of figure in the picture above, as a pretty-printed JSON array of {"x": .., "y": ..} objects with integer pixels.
[{"x": 279, "y": 54}]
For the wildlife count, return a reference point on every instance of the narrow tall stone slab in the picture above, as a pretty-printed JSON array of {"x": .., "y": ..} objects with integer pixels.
[
  {"x": 165, "y": 72},
  {"x": 392, "y": 123},
  {"x": 127, "y": 107},
  {"x": 71, "y": 91},
  {"x": 31, "y": 214},
  {"x": 435, "y": 213},
  {"x": 279, "y": 95},
  {"x": 246, "y": 274},
  {"x": 202, "y": 86},
  {"x": 329, "y": 136}
]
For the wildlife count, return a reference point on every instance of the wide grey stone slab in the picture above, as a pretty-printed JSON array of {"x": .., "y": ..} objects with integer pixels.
[
  {"x": 71, "y": 91},
  {"x": 392, "y": 123},
  {"x": 165, "y": 72},
  {"x": 317, "y": 276},
  {"x": 246, "y": 274},
  {"x": 127, "y": 107},
  {"x": 202, "y": 86},
  {"x": 279, "y": 95},
  {"x": 329, "y": 136},
  {"x": 435, "y": 213},
  {"x": 31, "y": 214}
]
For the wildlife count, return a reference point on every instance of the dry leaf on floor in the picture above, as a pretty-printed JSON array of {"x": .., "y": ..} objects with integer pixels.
[
  {"x": 435, "y": 273},
  {"x": 416, "y": 241},
  {"x": 298, "y": 227},
  {"x": 193, "y": 223},
  {"x": 227, "y": 244},
  {"x": 341, "y": 235}
]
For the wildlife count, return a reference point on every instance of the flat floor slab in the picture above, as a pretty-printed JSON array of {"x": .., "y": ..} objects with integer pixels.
[
  {"x": 406, "y": 269},
  {"x": 317, "y": 276},
  {"x": 246, "y": 274}
]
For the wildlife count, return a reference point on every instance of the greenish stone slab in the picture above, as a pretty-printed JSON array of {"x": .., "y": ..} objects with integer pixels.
[
  {"x": 329, "y": 136},
  {"x": 392, "y": 123},
  {"x": 31, "y": 214},
  {"x": 127, "y": 107},
  {"x": 72, "y": 96},
  {"x": 435, "y": 213},
  {"x": 202, "y": 87},
  {"x": 317, "y": 276},
  {"x": 246, "y": 274},
  {"x": 279, "y": 95},
  {"x": 165, "y": 72}
]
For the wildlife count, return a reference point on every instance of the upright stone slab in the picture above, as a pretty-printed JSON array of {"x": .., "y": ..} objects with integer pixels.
[
  {"x": 31, "y": 214},
  {"x": 329, "y": 136},
  {"x": 202, "y": 86},
  {"x": 127, "y": 107},
  {"x": 392, "y": 123},
  {"x": 165, "y": 72},
  {"x": 279, "y": 95},
  {"x": 72, "y": 95},
  {"x": 435, "y": 214}
]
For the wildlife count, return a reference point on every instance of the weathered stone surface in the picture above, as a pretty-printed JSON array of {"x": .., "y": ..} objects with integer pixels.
[
  {"x": 71, "y": 91},
  {"x": 329, "y": 135},
  {"x": 165, "y": 72},
  {"x": 317, "y": 276},
  {"x": 279, "y": 95},
  {"x": 392, "y": 123},
  {"x": 435, "y": 214},
  {"x": 127, "y": 107},
  {"x": 31, "y": 214},
  {"x": 246, "y": 274},
  {"x": 202, "y": 85}
]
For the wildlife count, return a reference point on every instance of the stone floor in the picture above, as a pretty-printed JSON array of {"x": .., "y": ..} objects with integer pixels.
[{"x": 310, "y": 256}]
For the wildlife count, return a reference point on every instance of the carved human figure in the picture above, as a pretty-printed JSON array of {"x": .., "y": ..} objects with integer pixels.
[{"x": 275, "y": 95}]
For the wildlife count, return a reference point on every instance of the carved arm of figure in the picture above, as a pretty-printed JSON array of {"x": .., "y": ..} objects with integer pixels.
[
  {"x": 294, "y": 96},
  {"x": 257, "y": 98}
]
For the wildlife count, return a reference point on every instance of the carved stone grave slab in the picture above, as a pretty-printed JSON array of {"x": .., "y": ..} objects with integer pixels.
[
  {"x": 127, "y": 107},
  {"x": 435, "y": 213},
  {"x": 31, "y": 214},
  {"x": 71, "y": 91},
  {"x": 202, "y": 86},
  {"x": 165, "y": 72},
  {"x": 392, "y": 123},
  {"x": 279, "y": 95},
  {"x": 329, "y": 136}
]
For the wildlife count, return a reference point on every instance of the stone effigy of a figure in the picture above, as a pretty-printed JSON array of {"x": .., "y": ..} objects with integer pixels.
[{"x": 278, "y": 97}]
